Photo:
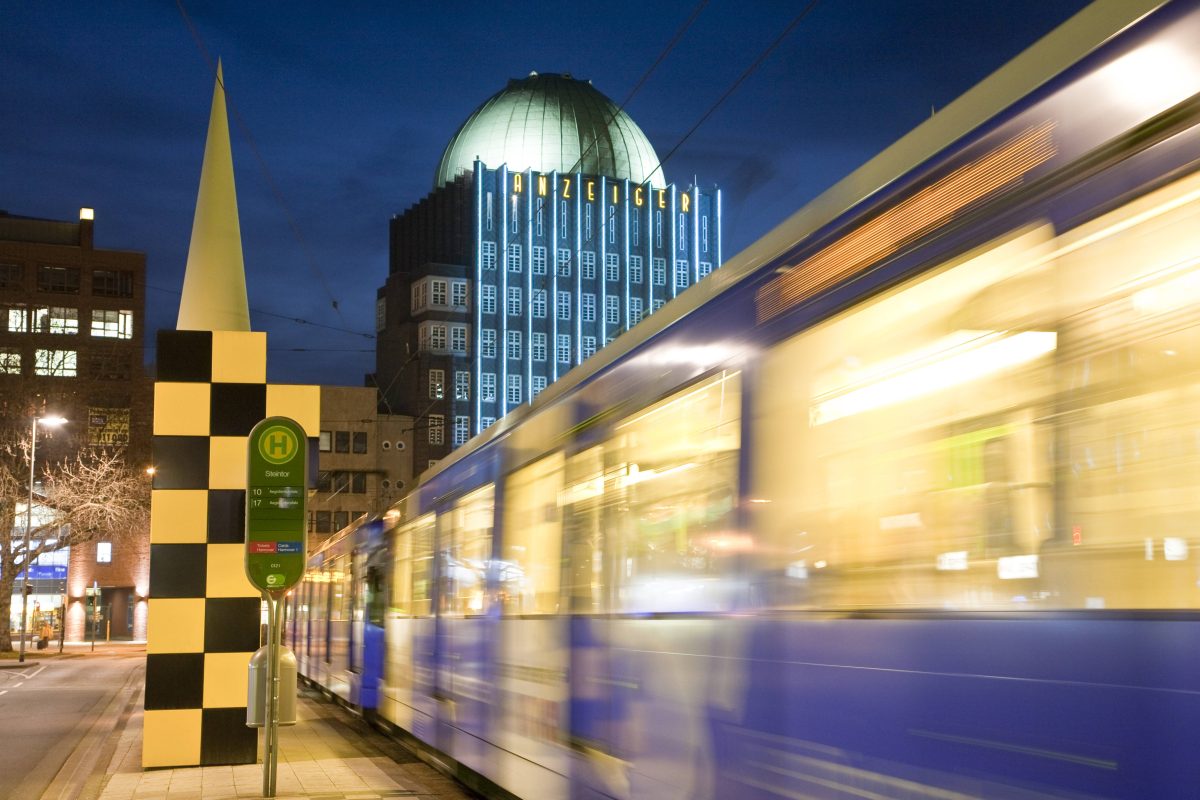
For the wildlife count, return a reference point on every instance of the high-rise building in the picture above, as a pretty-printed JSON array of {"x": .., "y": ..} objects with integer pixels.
[
  {"x": 549, "y": 232},
  {"x": 71, "y": 317}
]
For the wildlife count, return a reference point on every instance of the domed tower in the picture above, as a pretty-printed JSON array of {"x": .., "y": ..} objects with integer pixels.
[
  {"x": 551, "y": 123},
  {"x": 550, "y": 231}
]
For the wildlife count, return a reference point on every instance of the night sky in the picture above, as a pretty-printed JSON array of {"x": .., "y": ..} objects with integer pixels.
[{"x": 344, "y": 113}]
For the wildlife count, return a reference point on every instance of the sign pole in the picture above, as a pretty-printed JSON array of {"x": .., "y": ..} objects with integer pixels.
[
  {"x": 95, "y": 611},
  {"x": 276, "y": 547},
  {"x": 271, "y": 738}
]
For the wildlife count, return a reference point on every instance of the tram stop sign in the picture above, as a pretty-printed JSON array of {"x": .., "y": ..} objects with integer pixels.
[{"x": 276, "y": 495}]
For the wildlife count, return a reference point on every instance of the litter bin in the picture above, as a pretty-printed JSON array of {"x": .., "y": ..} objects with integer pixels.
[{"x": 258, "y": 693}]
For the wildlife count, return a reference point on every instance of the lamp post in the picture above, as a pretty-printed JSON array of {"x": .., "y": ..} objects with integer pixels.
[{"x": 53, "y": 422}]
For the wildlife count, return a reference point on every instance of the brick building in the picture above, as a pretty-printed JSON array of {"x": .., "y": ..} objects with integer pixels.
[{"x": 71, "y": 318}]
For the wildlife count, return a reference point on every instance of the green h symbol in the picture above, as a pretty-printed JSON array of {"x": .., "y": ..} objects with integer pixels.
[{"x": 279, "y": 443}]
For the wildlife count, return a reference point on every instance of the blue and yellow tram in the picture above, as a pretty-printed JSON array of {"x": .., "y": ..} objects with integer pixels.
[{"x": 902, "y": 502}]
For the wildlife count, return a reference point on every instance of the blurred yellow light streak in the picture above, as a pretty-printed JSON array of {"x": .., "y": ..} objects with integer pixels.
[
  {"x": 906, "y": 222},
  {"x": 960, "y": 362}
]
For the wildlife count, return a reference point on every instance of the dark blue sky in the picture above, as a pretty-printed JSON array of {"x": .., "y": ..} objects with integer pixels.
[{"x": 106, "y": 105}]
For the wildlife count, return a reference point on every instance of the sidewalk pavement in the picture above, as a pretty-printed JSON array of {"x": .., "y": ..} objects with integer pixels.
[{"x": 329, "y": 755}]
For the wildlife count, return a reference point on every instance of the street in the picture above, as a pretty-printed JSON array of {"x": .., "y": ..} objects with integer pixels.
[{"x": 47, "y": 708}]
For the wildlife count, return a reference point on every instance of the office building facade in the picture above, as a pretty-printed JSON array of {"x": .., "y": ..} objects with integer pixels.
[{"x": 510, "y": 274}]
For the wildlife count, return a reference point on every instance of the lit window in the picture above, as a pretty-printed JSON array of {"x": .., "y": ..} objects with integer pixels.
[
  {"x": 514, "y": 388},
  {"x": 487, "y": 345},
  {"x": 462, "y": 428},
  {"x": 56, "y": 319},
  {"x": 437, "y": 384},
  {"x": 437, "y": 429},
  {"x": 514, "y": 258},
  {"x": 438, "y": 293},
  {"x": 10, "y": 361},
  {"x": 635, "y": 269},
  {"x": 658, "y": 270},
  {"x": 612, "y": 314},
  {"x": 487, "y": 299},
  {"x": 538, "y": 306},
  {"x": 564, "y": 305},
  {"x": 587, "y": 261},
  {"x": 112, "y": 324},
  {"x": 537, "y": 346},
  {"x": 57, "y": 363},
  {"x": 458, "y": 339},
  {"x": 589, "y": 346},
  {"x": 589, "y": 308},
  {"x": 562, "y": 349},
  {"x": 14, "y": 318},
  {"x": 514, "y": 301},
  {"x": 462, "y": 385},
  {"x": 458, "y": 294},
  {"x": 488, "y": 253},
  {"x": 325, "y": 443},
  {"x": 612, "y": 267},
  {"x": 514, "y": 344},
  {"x": 563, "y": 263},
  {"x": 487, "y": 387},
  {"x": 539, "y": 258},
  {"x": 683, "y": 273},
  {"x": 103, "y": 552}
]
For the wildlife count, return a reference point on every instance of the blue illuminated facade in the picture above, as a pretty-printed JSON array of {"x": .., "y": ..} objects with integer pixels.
[{"x": 500, "y": 282}]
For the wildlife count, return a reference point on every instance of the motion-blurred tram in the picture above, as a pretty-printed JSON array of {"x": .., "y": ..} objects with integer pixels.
[{"x": 901, "y": 502}]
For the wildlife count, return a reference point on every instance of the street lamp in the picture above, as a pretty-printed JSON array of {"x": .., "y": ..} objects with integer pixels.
[{"x": 50, "y": 422}]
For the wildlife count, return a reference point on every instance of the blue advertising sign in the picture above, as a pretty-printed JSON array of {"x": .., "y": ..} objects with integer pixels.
[{"x": 45, "y": 572}]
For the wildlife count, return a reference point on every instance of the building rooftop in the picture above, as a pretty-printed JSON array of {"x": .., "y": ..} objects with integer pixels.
[{"x": 548, "y": 122}]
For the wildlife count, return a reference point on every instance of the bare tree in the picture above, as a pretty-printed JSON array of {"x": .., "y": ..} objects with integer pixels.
[{"x": 94, "y": 496}]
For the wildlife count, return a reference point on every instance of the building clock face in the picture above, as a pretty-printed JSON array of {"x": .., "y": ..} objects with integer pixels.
[{"x": 276, "y": 495}]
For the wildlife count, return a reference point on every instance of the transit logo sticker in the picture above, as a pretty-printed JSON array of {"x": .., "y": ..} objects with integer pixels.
[{"x": 277, "y": 445}]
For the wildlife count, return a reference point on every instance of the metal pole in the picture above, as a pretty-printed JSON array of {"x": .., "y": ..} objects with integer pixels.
[
  {"x": 95, "y": 611},
  {"x": 271, "y": 733},
  {"x": 28, "y": 525}
]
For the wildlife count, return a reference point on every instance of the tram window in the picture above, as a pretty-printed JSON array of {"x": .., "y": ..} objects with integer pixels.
[
  {"x": 402, "y": 571},
  {"x": 649, "y": 514},
  {"x": 529, "y": 573},
  {"x": 465, "y": 554},
  {"x": 1014, "y": 431},
  {"x": 422, "y": 565},
  {"x": 377, "y": 595}
]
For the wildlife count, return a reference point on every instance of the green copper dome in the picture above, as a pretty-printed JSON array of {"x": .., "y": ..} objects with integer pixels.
[{"x": 545, "y": 123}]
